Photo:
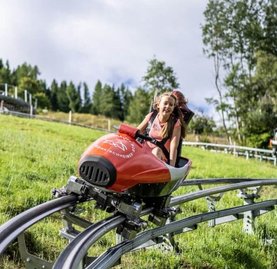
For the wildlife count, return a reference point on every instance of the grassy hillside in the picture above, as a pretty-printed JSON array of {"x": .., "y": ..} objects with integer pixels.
[
  {"x": 36, "y": 156},
  {"x": 102, "y": 122}
]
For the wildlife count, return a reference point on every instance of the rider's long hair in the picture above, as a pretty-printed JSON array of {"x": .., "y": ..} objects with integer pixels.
[{"x": 176, "y": 115}]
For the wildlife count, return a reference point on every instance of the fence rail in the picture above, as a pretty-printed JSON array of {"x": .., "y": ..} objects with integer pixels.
[
  {"x": 13, "y": 100},
  {"x": 260, "y": 154}
]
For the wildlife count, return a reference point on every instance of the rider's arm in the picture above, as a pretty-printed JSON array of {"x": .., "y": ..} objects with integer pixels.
[
  {"x": 142, "y": 126},
  {"x": 174, "y": 145}
]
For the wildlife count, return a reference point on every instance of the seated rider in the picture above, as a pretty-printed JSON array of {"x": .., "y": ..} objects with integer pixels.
[
  {"x": 167, "y": 126},
  {"x": 182, "y": 104}
]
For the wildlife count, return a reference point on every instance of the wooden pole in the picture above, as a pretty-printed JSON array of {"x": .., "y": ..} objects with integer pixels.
[
  {"x": 70, "y": 117},
  {"x": 6, "y": 89},
  {"x": 25, "y": 96},
  {"x": 15, "y": 92}
]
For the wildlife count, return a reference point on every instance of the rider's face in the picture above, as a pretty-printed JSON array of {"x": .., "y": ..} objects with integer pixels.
[{"x": 166, "y": 105}]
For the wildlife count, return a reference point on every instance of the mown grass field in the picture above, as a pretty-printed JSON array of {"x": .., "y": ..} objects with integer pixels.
[{"x": 37, "y": 156}]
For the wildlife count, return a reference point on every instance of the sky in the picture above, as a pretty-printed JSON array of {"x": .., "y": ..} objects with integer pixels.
[{"x": 109, "y": 40}]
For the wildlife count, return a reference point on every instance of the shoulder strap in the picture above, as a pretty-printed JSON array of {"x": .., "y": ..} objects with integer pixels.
[
  {"x": 153, "y": 116},
  {"x": 163, "y": 141},
  {"x": 150, "y": 122},
  {"x": 170, "y": 132},
  {"x": 158, "y": 143}
]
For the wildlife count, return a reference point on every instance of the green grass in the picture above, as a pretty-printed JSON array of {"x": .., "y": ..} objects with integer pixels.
[{"x": 37, "y": 156}]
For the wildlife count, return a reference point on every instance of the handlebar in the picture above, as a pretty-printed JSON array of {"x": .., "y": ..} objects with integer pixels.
[
  {"x": 128, "y": 130},
  {"x": 134, "y": 133}
]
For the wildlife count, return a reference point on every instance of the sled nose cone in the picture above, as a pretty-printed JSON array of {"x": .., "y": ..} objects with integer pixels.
[{"x": 97, "y": 171}]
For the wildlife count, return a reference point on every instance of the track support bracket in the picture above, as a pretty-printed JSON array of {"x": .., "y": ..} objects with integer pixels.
[{"x": 31, "y": 261}]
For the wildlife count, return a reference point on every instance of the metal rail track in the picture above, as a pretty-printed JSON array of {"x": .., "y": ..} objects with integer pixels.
[
  {"x": 209, "y": 181},
  {"x": 203, "y": 193},
  {"x": 73, "y": 255},
  {"x": 15, "y": 226},
  {"x": 76, "y": 251},
  {"x": 111, "y": 256}
]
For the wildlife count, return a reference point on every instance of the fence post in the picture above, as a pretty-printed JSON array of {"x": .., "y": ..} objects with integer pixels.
[
  {"x": 31, "y": 110},
  {"x": 15, "y": 92},
  {"x": 25, "y": 96},
  {"x": 70, "y": 117},
  {"x": 234, "y": 149},
  {"x": 109, "y": 125},
  {"x": 6, "y": 89},
  {"x": 30, "y": 99}
]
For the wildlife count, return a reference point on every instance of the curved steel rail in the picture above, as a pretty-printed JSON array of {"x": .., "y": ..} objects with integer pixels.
[
  {"x": 112, "y": 255},
  {"x": 73, "y": 254},
  {"x": 77, "y": 249},
  {"x": 15, "y": 226},
  {"x": 207, "y": 181},
  {"x": 203, "y": 193}
]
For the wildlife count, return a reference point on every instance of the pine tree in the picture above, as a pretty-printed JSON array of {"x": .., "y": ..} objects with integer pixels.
[
  {"x": 139, "y": 106},
  {"x": 74, "y": 97},
  {"x": 86, "y": 105},
  {"x": 96, "y": 99},
  {"x": 159, "y": 77}
]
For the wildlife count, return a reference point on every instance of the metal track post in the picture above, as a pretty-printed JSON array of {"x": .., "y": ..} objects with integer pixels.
[
  {"x": 31, "y": 261},
  {"x": 211, "y": 201},
  {"x": 249, "y": 197}
]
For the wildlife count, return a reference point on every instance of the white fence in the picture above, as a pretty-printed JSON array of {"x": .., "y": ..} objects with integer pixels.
[
  {"x": 12, "y": 91},
  {"x": 45, "y": 118},
  {"x": 260, "y": 154}
]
